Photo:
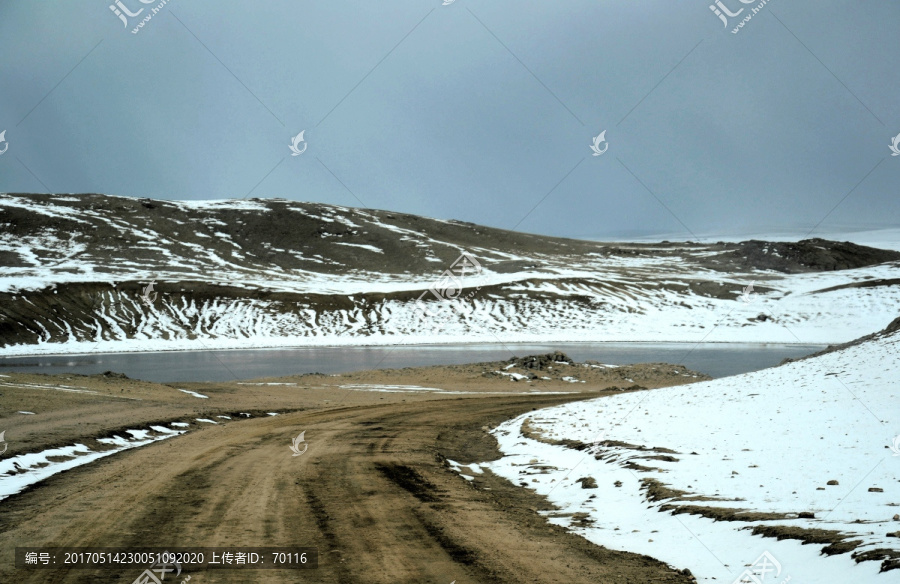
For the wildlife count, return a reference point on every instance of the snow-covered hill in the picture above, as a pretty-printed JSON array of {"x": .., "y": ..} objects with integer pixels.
[
  {"x": 73, "y": 269},
  {"x": 809, "y": 447}
]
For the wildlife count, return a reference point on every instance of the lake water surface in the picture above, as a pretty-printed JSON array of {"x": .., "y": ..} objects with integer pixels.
[{"x": 716, "y": 360}]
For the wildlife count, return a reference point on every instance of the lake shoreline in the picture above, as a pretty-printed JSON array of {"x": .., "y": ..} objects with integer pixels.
[{"x": 715, "y": 359}]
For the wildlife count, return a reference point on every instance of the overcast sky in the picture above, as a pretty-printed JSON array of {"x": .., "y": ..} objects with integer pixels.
[{"x": 480, "y": 110}]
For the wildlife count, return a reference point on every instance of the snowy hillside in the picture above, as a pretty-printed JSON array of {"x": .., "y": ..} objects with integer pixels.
[
  {"x": 807, "y": 447},
  {"x": 74, "y": 272}
]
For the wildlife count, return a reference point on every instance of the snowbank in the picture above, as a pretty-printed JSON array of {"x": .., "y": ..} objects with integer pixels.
[{"x": 814, "y": 436}]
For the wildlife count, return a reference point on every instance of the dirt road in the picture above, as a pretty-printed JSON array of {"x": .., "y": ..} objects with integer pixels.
[{"x": 371, "y": 493}]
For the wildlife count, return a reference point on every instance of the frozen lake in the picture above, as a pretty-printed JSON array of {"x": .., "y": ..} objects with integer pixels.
[{"x": 714, "y": 359}]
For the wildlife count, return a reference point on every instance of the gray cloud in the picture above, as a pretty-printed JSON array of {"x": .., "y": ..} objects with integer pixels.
[{"x": 475, "y": 111}]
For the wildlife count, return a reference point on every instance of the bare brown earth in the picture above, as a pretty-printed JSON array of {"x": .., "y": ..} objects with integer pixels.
[{"x": 373, "y": 491}]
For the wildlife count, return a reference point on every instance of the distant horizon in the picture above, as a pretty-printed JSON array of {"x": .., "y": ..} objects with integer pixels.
[{"x": 886, "y": 237}]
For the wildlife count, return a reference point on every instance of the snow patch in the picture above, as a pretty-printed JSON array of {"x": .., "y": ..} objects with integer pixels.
[
  {"x": 194, "y": 393},
  {"x": 768, "y": 441}
]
